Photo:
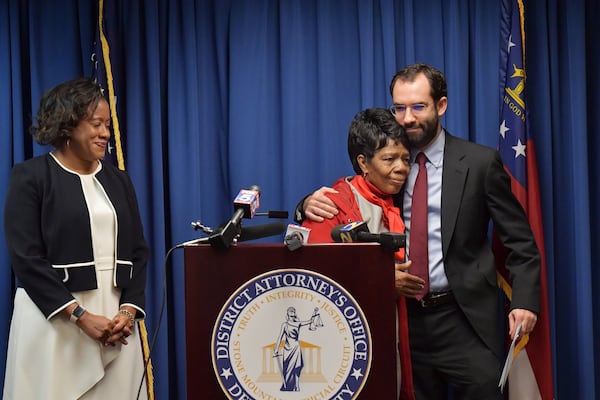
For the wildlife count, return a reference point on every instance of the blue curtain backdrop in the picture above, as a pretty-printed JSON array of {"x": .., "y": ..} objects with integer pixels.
[{"x": 215, "y": 96}]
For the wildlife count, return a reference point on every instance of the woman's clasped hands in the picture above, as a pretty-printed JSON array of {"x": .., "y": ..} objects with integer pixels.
[{"x": 106, "y": 331}]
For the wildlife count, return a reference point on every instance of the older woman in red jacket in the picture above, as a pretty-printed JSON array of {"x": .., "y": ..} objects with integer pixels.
[{"x": 378, "y": 150}]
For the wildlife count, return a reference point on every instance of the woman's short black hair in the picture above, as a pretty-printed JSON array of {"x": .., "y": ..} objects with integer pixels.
[
  {"x": 62, "y": 108},
  {"x": 370, "y": 131}
]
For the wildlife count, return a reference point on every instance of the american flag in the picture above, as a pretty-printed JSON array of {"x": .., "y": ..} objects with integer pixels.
[{"x": 531, "y": 374}]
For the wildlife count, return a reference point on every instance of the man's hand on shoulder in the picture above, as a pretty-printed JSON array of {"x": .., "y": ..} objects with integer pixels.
[{"x": 318, "y": 206}]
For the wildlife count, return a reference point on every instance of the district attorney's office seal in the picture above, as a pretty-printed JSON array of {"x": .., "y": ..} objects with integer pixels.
[{"x": 291, "y": 334}]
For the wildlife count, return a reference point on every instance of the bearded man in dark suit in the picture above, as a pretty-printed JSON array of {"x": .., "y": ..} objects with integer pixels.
[{"x": 454, "y": 327}]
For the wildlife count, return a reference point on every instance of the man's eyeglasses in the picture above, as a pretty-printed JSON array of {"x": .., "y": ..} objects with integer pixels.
[{"x": 400, "y": 109}]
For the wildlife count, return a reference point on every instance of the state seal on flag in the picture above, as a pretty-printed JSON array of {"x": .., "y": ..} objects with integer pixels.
[{"x": 291, "y": 334}]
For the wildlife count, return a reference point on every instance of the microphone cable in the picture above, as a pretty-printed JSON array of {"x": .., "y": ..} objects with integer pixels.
[{"x": 160, "y": 316}]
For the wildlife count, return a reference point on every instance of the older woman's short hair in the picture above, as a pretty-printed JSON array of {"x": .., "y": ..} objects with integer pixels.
[{"x": 370, "y": 131}]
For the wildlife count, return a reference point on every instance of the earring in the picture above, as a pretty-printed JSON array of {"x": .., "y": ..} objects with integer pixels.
[{"x": 68, "y": 141}]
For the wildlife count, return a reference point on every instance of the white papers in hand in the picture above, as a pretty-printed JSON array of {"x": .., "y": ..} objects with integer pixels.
[{"x": 509, "y": 359}]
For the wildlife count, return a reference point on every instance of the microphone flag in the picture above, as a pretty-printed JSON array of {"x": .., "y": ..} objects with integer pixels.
[
  {"x": 247, "y": 200},
  {"x": 296, "y": 236}
]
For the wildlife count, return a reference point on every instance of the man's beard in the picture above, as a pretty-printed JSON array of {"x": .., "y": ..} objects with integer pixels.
[{"x": 428, "y": 132}]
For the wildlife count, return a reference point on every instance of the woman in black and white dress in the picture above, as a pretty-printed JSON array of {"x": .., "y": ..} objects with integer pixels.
[{"x": 78, "y": 251}]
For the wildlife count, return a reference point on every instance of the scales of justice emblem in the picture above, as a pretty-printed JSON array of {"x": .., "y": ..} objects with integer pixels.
[
  {"x": 287, "y": 348},
  {"x": 291, "y": 334}
]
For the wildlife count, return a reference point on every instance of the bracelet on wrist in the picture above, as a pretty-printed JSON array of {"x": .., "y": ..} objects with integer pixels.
[{"x": 128, "y": 314}]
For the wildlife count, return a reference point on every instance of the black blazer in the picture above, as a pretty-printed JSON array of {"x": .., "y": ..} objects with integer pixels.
[
  {"x": 48, "y": 232},
  {"x": 475, "y": 189}
]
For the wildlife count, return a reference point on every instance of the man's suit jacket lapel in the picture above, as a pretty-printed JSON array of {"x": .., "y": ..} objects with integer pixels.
[{"x": 454, "y": 177}]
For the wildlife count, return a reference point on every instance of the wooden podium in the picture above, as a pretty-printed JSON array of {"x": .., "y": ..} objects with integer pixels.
[{"x": 365, "y": 271}]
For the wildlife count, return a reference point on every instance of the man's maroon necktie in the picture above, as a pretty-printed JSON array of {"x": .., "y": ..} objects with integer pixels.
[{"x": 418, "y": 252}]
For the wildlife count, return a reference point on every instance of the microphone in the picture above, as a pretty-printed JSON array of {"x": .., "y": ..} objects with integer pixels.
[
  {"x": 261, "y": 231},
  {"x": 245, "y": 204},
  {"x": 296, "y": 236},
  {"x": 359, "y": 232},
  {"x": 251, "y": 233},
  {"x": 273, "y": 214}
]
